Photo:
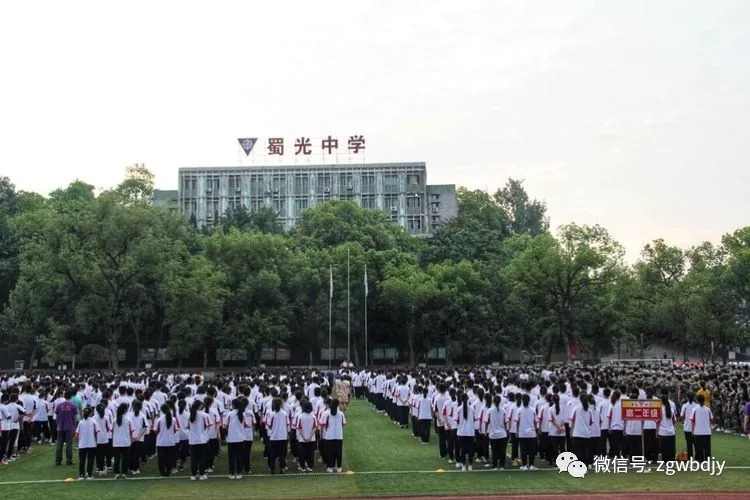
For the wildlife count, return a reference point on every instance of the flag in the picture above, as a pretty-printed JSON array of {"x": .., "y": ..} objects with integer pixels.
[
  {"x": 330, "y": 269},
  {"x": 365, "y": 280},
  {"x": 247, "y": 144}
]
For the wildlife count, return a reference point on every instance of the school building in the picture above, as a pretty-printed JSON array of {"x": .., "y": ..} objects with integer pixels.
[{"x": 398, "y": 189}]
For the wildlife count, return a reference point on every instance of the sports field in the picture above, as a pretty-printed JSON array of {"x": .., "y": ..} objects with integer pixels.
[{"x": 379, "y": 460}]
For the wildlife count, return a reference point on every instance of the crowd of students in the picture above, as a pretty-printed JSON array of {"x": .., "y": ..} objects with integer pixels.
[
  {"x": 122, "y": 423},
  {"x": 478, "y": 414},
  {"x": 542, "y": 413}
]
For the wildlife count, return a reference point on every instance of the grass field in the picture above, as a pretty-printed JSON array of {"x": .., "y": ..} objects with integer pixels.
[{"x": 382, "y": 460}]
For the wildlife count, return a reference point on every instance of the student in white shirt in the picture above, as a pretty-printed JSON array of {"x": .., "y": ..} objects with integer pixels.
[
  {"x": 277, "y": 423},
  {"x": 4, "y": 426},
  {"x": 140, "y": 427},
  {"x": 41, "y": 423},
  {"x": 595, "y": 441},
  {"x": 701, "y": 420},
  {"x": 183, "y": 417},
  {"x": 666, "y": 428},
  {"x": 424, "y": 416},
  {"x": 465, "y": 432},
  {"x": 448, "y": 415},
  {"x": 686, "y": 413},
  {"x": 580, "y": 429},
  {"x": 306, "y": 427},
  {"x": 526, "y": 425},
  {"x": 556, "y": 426},
  {"x": 165, "y": 429},
  {"x": 634, "y": 432},
  {"x": 332, "y": 423},
  {"x": 122, "y": 438},
  {"x": 515, "y": 405},
  {"x": 616, "y": 426},
  {"x": 213, "y": 432},
  {"x": 103, "y": 438},
  {"x": 604, "y": 405},
  {"x": 198, "y": 425},
  {"x": 236, "y": 423},
  {"x": 86, "y": 434},
  {"x": 494, "y": 426}
]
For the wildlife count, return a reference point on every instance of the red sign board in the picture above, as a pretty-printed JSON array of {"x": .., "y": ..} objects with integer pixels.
[{"x": 641, "y": 409}]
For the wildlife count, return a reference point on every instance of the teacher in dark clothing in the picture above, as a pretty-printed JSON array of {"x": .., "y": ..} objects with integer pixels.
[{"x": 66, "y": 413}]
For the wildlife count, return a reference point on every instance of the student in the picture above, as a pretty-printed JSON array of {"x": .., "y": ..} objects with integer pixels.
[
  {"x": 4, "y": 427},
  {"x": 183, "y": 418},
  {"x": 526, "y": 425},
  {"x": 247, "y": 447},
  {"x": 581, "y": 420},
  {"x": 494, "y": 425},
  {"x": 103, "y": 439},
  {"x": 604, "y": 406},
  {"x": 236, "y": 424},
  {"x": 306, "y": 427},
  {"x": 66, "y": 412},
  {"x": 165, "y": 429},
  {"x": 40, "y": 429},
  {"x": 198, "y": 425},
  {"x": 424, "y": 415},
  {"x": 650, "y": 440},
  {"x": 633, "y": 432},
  {"x": 465, "y": 432},
  {"x": 616, "y": 426},
  {"x": 140, "y": 427},
  {"x": 333, "y": 432},
  {"x": 516, "y": 401},
  {"x": 86, "y": 434},
  {"x": 442, "y": 431},
  {"x": 686, "y": 413},
  {"x": 122, "y": 439},
  {"x": 557, "y": 426},
  {"x": 543, "y": 417},
  {"x": 666, "y": 428},
  {"x": 702, "y": 418},
  {"x": 213, "y": 432},
  {"x": 277, "y": 423}
]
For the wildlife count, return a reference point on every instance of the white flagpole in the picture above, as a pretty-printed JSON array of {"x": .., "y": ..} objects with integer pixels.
[
  {"x": 330, "y": 305},
  {"x": 348, "y": 311},
  {"x": 366, "y": 352}
]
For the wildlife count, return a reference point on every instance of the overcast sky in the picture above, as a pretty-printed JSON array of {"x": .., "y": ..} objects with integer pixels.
[{"x": 630, "y": 114}]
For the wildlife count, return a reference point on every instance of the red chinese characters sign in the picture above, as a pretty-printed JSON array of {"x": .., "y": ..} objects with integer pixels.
[
  {"x": 305, "y": 145},
  {"x": 641, "y": 409}
]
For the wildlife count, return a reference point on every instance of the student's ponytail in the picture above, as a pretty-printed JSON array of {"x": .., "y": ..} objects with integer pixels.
[
  {"x": 465, "y": 404},
  {"x": 334, "y": 407},
  {"x": 194, "y": 410},
  {"x": 615, "y": 397},
  {"x": 137, "y": 405},
  {"x": 556, "y": 400},
  {"x": 120, "y": 412},
  {"x": 666, "y": 405},
  {"x": 584, "y": 401},
  {"x": 167, "y": 411},
  {"x": 276, "y": 405},
  {"x": 87, "y": 412},
  {"x": 496, "y": 401},
  {"x": 100, "y": 409},
  {"x": 181, "y": 405}
]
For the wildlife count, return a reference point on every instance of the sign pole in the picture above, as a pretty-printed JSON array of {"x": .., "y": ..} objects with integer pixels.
[{"x": 330, "y": 306}]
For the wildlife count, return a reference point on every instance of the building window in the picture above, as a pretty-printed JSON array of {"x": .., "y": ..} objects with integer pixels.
[
  {"x": 368, "y": 183},
  {"x": 412, "y": 179},
  {"x": 212, "y": 208},
  {"x": 278, "y": 185},
  {"x": 391, "y": 204},
  {"x": 300, "y": 204},
  {"x": 280, "y": 206},
  {"x": 415, "y": 224},
  {"x": 346, "y": 184},
  {"x": 435, "y": 206},
  {"x": 212, "y": 184},
  {"x": 301, "y": 184},
  {"x": 235, "y": 202},
  {"x": 257, "y": 187},
  {"x": 413, "y": 202},
  {"x": 324, "y": 183},
  {"x": 256, "y": 204},
  {"x": 390, "y": 183},
  {"x": 233, "y": 183},
  {"x": 368, "y": 201}
]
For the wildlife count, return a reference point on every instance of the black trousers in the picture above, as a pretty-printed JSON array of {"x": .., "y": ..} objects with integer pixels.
[
  {"x": 41, "y": 430},
  {"x": 528, "y": 450},
  {"x": 335, "y": 447},
  {"x": 498, "y": 451},
  {"x": 24, "y": 438},
  {"x": 122, "y": 459},
  {"x": 615, "y": 444},
  {"x": 103, "y": 455},
  {"x": 213, "y": 451},
  {"x": 702, "y": 447},
  {"x": 424, "y": 427},
  {"x": 557, "y": 445},
  {"x": 403, "y": 415},
  {"x": 581, "y": 447},
  {"x": 3, "y": 443},
  {"x": 136, "y": 453},
  {"x": 184, "y": 451},
  {"x": 513, "y": 446},
  {"x": 165, "y": 459},
  {"x": 415, "y": 429},
  {"x": 198, "y": 459},
  {"x": 467, "y": 450},
  {"x": 690, "y": 444},
  {"x": 667, "y": 447},
  {"x": 52, "y": 429},
  {"x": 293, "y": 445},
  {"x": 277, "y": 450},
  {"x": 634, "y": 446},
  {"x": 545, "y": 448},
  {"x": 10, "y": 444},
  {"x": 234, "y": 453},
  {"x": 442, "y": 441},
  {"x": 450, "y": 443},
  {"x": 651, "y": 444},
  {"x": 63, "y": 437},
  {"x": 86, "y": 461},
  {"x": 307, "y": 455},
  {"x": 247, "y": 448}
]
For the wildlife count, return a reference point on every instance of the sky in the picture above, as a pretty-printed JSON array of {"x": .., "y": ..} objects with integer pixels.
[{"x": 628, "y": 114}]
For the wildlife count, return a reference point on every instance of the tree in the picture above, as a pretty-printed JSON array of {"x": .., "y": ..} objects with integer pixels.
[
  {"x": 9, "y": 250},
  {"x": 522, "y": 215},
  {"x": 138, "y": 186}
]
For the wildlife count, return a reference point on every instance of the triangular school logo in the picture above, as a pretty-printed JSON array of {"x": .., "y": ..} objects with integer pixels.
[{"x": 247, "y": 144}]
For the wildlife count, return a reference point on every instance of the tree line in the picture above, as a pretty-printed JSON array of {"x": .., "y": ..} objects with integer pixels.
[{"x": 82, "y": 274}]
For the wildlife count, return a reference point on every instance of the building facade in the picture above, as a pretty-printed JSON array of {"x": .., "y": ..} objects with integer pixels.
[{"x": 398, "y": 189}]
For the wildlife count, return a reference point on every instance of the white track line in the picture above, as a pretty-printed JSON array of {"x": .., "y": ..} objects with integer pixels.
[{"x": 326, "y": 474}]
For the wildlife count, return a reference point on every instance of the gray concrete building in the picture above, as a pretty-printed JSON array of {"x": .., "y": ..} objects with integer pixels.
[{"x": 398, "y": 189}]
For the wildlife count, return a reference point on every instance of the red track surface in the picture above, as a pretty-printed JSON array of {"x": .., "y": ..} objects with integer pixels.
[{"x": 592, "y": 496}]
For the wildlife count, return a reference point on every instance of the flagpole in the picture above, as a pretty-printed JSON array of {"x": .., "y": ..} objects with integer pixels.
[
  {"x": 366, "y": 353},
  {"x": 330, "y": 305},
  {"x": 348, "y": 311}
]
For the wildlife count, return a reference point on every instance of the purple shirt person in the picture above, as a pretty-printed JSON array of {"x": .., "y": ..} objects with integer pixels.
[
  {"x": 66, "y": 416},
  {"x": 747, "y": 418}
]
